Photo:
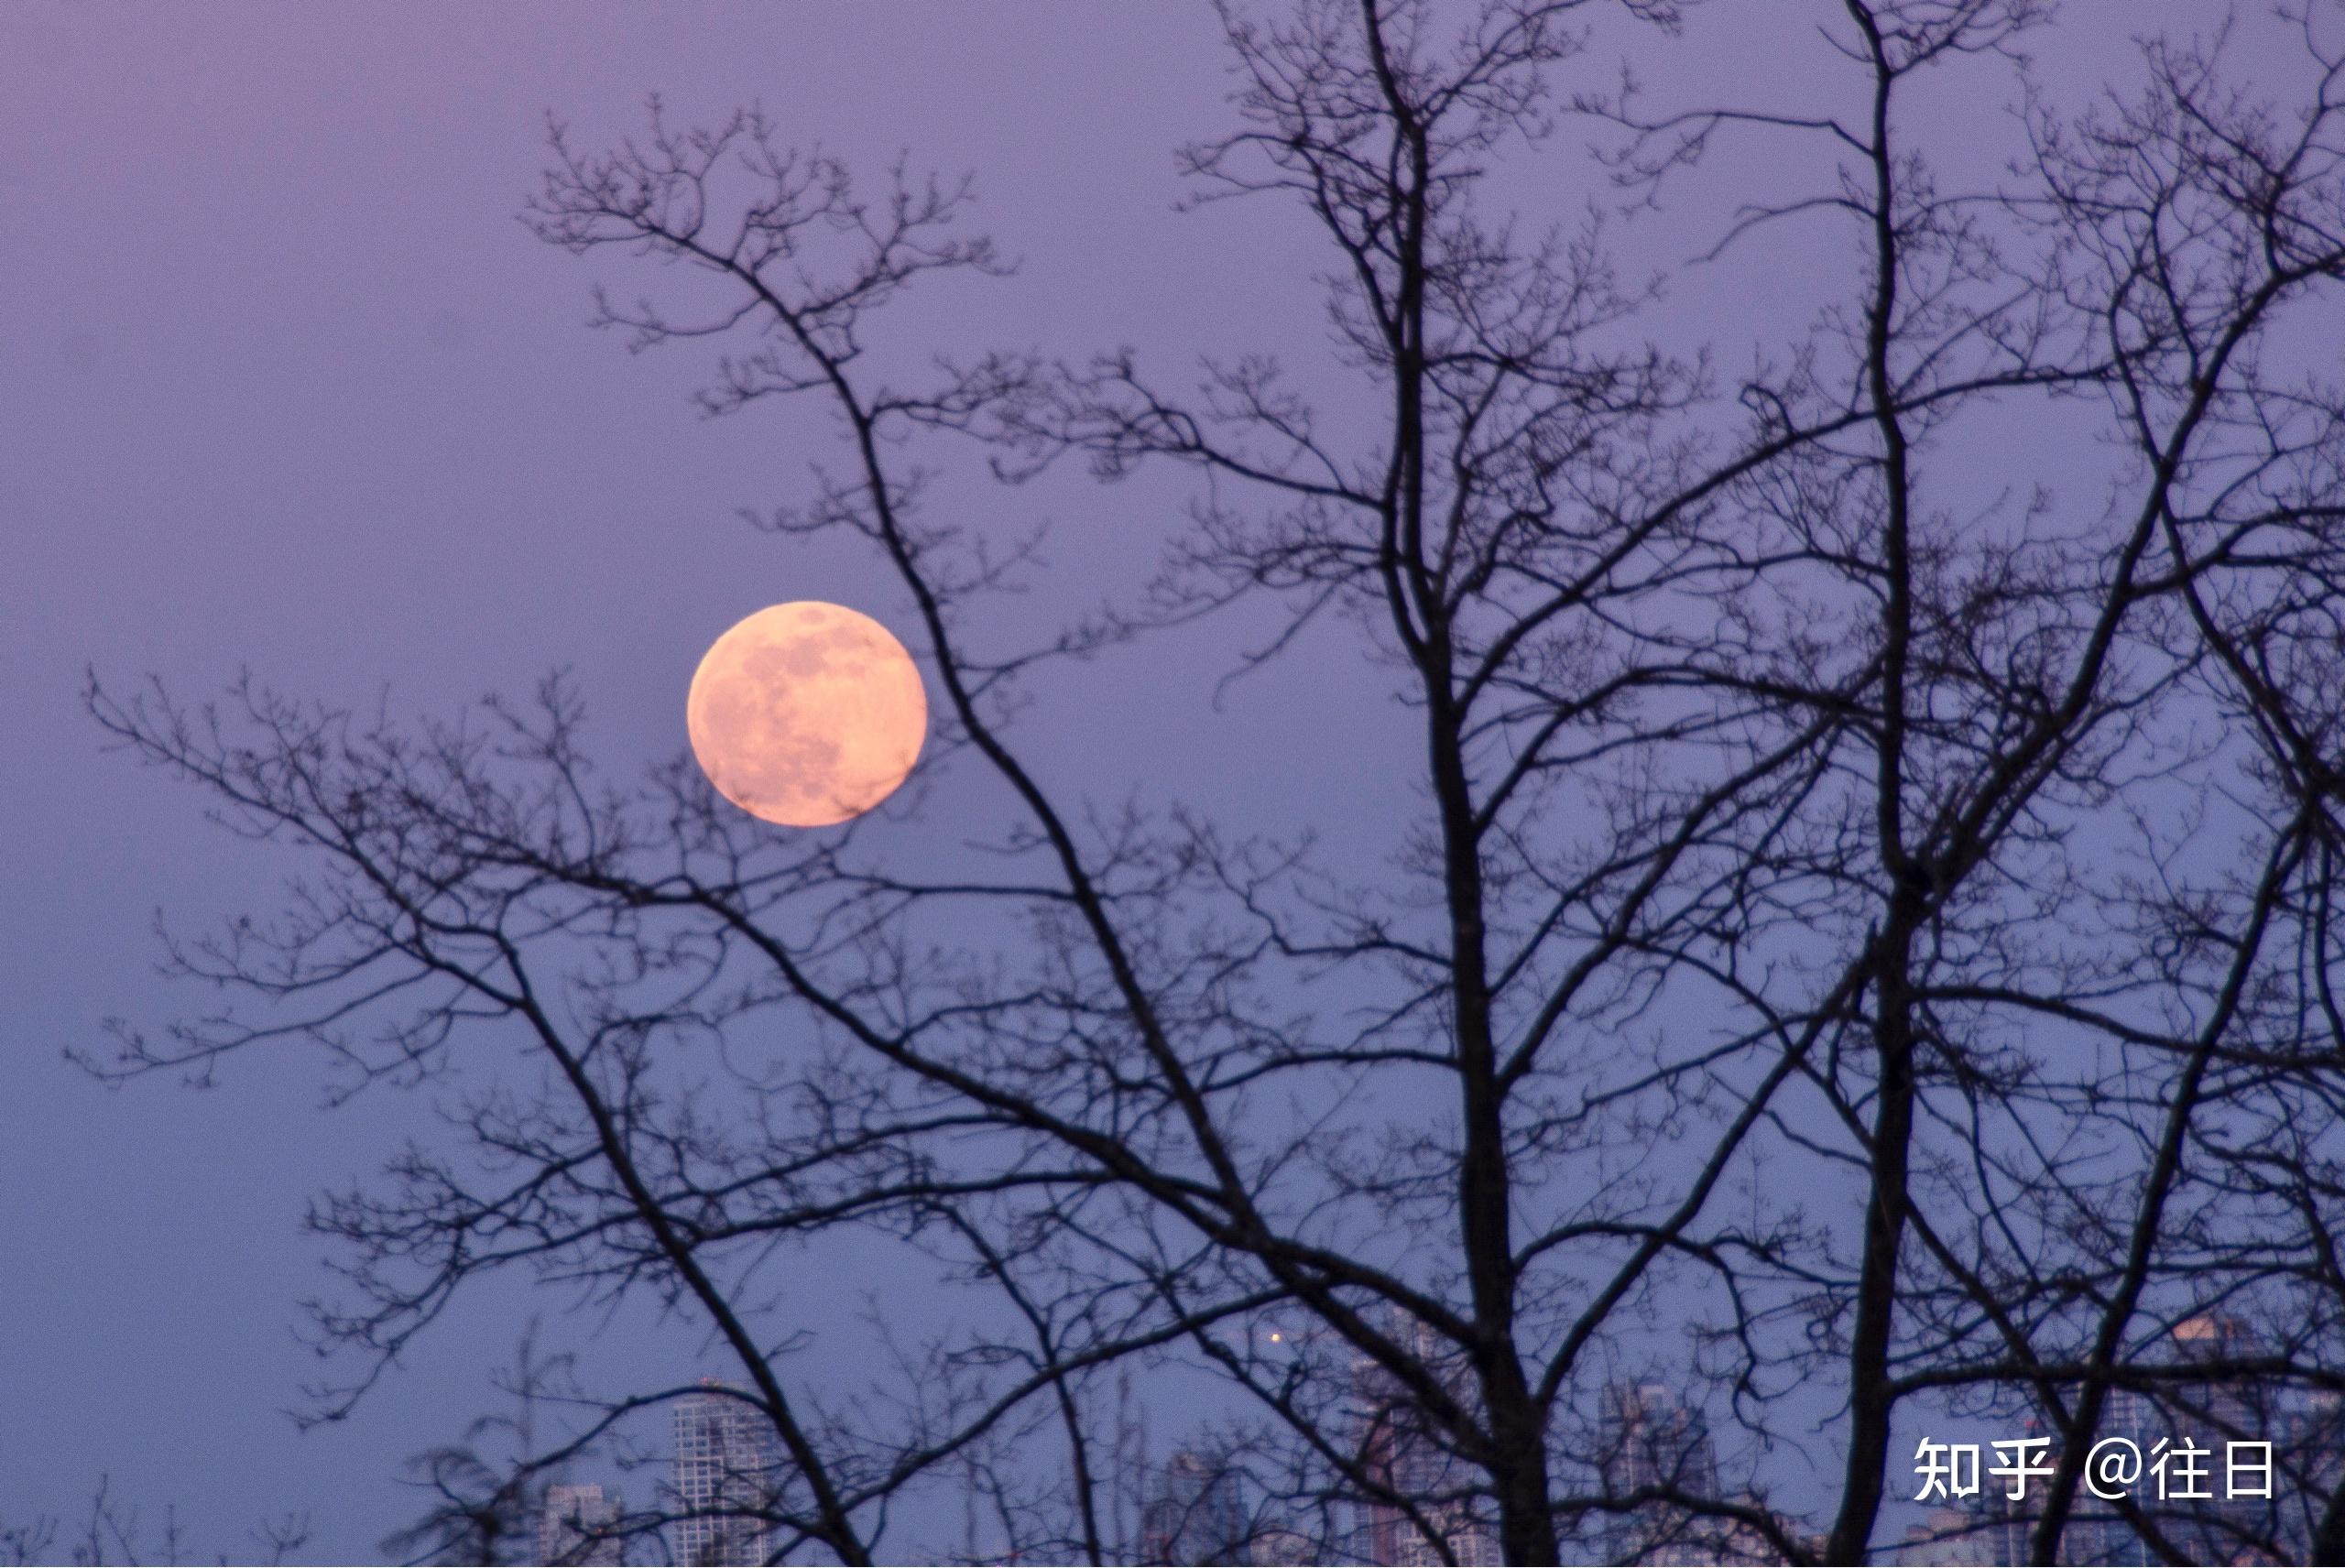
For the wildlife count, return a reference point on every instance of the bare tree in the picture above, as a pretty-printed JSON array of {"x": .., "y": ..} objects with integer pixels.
[{"x": 1864, "y": 946}]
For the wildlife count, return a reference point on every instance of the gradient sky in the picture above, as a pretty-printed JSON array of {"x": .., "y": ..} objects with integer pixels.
[{"x": 284, "y": 385}]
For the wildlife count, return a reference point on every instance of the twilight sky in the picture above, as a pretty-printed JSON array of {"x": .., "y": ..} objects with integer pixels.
[{"x": 284, "y": 385}]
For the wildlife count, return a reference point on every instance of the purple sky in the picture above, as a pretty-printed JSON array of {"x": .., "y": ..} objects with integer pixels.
[
  {"x": 287, "y": 387},
  {"x": 284, "y": 384}
]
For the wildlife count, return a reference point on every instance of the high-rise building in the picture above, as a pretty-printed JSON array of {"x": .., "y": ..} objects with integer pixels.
[
  {"x": 1651, "y": 1441},
  {"x": 2224, "y": 1408},
  {"x": 2096, "y": 1533},
  {"x": 1195, "y": 1512},
  {"x": 2204, "y": 1414},
  {"x": 1405, "y": 1452},
  {"x": 576, "y": 1527},
  {"x": 2311, "y": 1441},
  {"x": 724, "y": 1476}
]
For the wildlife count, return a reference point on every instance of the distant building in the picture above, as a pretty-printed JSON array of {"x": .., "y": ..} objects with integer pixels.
[
  {"x": 2311, "y": 1441},
  {"x": 1195, "y": 1512},
  {"x": 2097, "y": 1534},
  {"x": 724, "y": 1475},
  {"x": 1651, "y": 1441},
  {"x": 1405, "y": 1453},
  {"x": 2208, "y": 1414},
  {"x": 574, "y": 1527}
]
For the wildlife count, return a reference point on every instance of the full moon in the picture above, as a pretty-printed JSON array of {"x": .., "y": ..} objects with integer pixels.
[{"x": 806, "y": 713}]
